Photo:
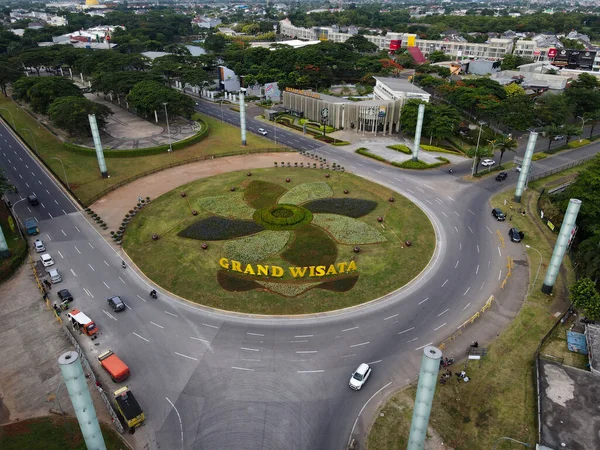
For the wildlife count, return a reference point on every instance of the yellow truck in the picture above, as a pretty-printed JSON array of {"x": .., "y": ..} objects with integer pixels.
[{"x": 128, "y": 407}]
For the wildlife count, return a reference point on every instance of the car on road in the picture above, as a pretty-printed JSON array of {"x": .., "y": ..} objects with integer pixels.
[
  {"x": 518, "y": 168},
  {"x": 33, "y": 200},
  {"x": 498, "y": 214},
  {"x": 262, "y": 131},
  {"x": 39, "y": 246},
  {"x": 560, "y": 137},
  {"x": 65, "y": 296},
  {"x": 47, "y": 260},
  {"x": 501, "y": 176},
  {"x": 487, "y": 162},
  {"x": 54, "y": 275},
  {"x": 360, "y": 377},
  {"x": 116, "y": 303},
  {"x": 516, "y": 235}
]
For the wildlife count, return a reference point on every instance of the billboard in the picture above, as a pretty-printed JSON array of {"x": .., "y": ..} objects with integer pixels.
[
  {"x": 574, "y": 59},
  {"x": 411, "y": 40},
  {"x": 552, "y": 52},
  {"x": 395, "y": 44}
]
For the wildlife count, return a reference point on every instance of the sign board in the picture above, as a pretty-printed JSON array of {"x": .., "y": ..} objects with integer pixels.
[
  {"x": 395, "y": 44},
  {"x": 411, "y": 40},
  {"x": 325, "y": 113},
  {"x": 552, "y": 52},
  {"x": 11, "y": 223}
]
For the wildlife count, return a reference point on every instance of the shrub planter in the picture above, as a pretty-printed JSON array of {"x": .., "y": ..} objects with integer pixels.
[
  {"x": 408, "y": 243},
  {"x": 380, "y": 219},
  {"x": 183, "y": 194},
  {"x": 345, "y": 191},
  {"x": 391, "y": 200},
  {"x": 147, "y": 199},
  {"x": 356, "y": 249},
  {"x": 287, "y": 180},
  {"x": 155, "y": 237},
  {"x": 204, "y": 246},
  {"x": 249, "y": 174},
  {"x": 232, "y": 189},
  {"x": 194, "y": 212},
  {"x": 326, "y": 175}
]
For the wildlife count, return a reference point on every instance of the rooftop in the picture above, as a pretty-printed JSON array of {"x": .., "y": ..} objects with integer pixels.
[{"x": 400, "y": 85}]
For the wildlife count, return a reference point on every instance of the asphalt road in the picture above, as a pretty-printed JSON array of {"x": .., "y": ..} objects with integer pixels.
[{"x": 210, "y": 380}]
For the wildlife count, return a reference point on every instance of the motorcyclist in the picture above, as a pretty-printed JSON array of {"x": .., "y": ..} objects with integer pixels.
[{"x": 153, "y": 293}]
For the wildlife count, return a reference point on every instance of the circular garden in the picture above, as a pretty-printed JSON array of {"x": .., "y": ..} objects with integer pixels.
[{"x": 281, "y": 241}]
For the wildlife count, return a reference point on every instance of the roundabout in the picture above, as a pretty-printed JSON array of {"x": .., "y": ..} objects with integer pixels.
[{"x": 281, "y": 241}]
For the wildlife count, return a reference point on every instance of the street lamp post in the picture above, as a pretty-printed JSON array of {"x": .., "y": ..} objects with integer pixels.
[
  {"x": 509, "y": 439},
  {"x": 33, "y": 137},
  {"x": 221, "y": 103},
  {"x": 275, "y": 130},
  {"x": 64, "y": 171},
  {"x": 538, "y": 269},
  {"x": 168, "y": 129},
  {"x": 17, "y": 217},
  {"x": 11, "y": 117},
  {"x": 481, "y": 123},
  {"x": 583, "y": 121}
]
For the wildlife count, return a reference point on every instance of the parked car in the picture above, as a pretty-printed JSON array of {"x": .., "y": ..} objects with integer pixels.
[
  {"x": 47, "y": 260},
  {"x": 33, "y": 200},
  {"x": 501, "y": 176},
  {"x": 518, "y": 168},
  {"x": 39, "y": 246},
  {"x": 516, "y": 235},
  {"x": 498, "y": 214},
  {"x": 360, "y": 377},
  {"x": 116, "y": 303},
  {"x": 262, "y": 131},
  {"x": 487, "y": 162},
  {"x": 54, "y": 275},
  {"x": 65, "y": 296}
]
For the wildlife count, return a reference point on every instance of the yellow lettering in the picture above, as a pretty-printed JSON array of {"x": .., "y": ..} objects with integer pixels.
[
  {"x": 249, "y": 270},
  {"x": 224, "y": 263},
  {"x": 331, "y": 270},
  {"x": 351, "y": 267},
  {"x": 342, "y": 267},
  {"x": 298, "y": 271},
  {"x": 263, "y": 270},
  {"x": 312, "y": 271},
  {"x": 276, "y": 271},
  {"x": 235, "y": 265},
  {"x": 320, "y": 271}
]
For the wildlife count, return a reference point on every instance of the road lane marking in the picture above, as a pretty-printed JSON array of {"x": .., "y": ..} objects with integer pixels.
[
  {"x": 358, "y": 345},
  {"x": 471, "y": 211},
  {"x": 65, "y": 213},
  {"x": 361, "y": 411},
  {"x": 93, "y": 270},
  {"x": 242, "y": 368},
  {"x": 456, "y": 229},
  {"x": 306, "y": 351},
  {"x": 157, "y": 325},
  {"x": 250, "y": 359},
  {"x": 499, "y": 275},
  {"x": 73, "y": 272},
  {"x": 444, "y": 284},
  {"x": 391, "y": 317},
  {"x": 49, "y": 213},
  {"x": 63, "y": 232},
  {"x": 304, "y": 335},
  {"x": 471, "y": 230},
  {"x": 467, "y": 305},
  {"x": 488, "y": 228},
  {"x": 88, "y": 243},
  {"x": 106, "y": 263},
  {"x": 450, "y": 198},
  {"x": 412, "y": 340},
  {"x": 141, "y": 299},
  {"x": 250, "y": 349},
  {"x": 457, "y": 213},
  {"x": 60, "y": 254},
  {"x": 143, "y": 338},
  {"x": 122, "y": 280},
  {"x": 211, "y": 326},
  {"x": 374, "y": 362},
  {"x": 310, "y": 371},
  {"x": 460, "y": 245},
  {"x": 427, "y": 186},
  {"x": 56, "y": 201},
  {"x": 349, "y": 329},
  {"x": 304, "y": 340},
  {"x": 88, "y": 292},
  {"x": 423, "y": 301},
  {"x": 499, "y": 252},
  {"x": 407, "y": 330},
  {"x": 40, "y": 182},
  {"x": 186, "y": 356},
  {"x": 477, "y": 270},
  {"x": 46, "y": 189},
  {"x": 423, "y": 346},
  {"x": 48, "y": 237},
  {"x": 27, "y": 184},
  {"x": 254, "y": 334},
  {"x": 179, "y": 417},
  {"x": 443, "y": 312},
  {"x": 110, "y": 315},
  {"x": 442, "y": 325},
  {"x": 412, "y": 192},
  {"x": 77, "y": 249},
  {"x": 171, "y": 314},
  {"x": 445, "y": 215},
  {"x": 78, "y": 230},
  {"x": 456, "y": 265},
  {"x": 106, "y": 284},
  {"x": 478, "y": 249},
  {"x": 198, "y": 339},
  {"x": 468, "y": 289},
  {"x": 482, "y": 284}
]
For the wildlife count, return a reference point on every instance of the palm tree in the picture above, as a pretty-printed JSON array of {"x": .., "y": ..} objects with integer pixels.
[
  {"x": 570, "y": 131},
  {"x": 505, "y": 144}
]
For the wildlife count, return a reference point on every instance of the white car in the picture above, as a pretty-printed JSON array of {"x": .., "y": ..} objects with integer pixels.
[
  {"x": 39, "y": 246},
  {"x": 262, "y": 131},
  {"x": 487, "y": 162},
  {"x": 360, "y": 377},
  {"x": 560, "y": 137},
  {"x": 47, "y": 260}
]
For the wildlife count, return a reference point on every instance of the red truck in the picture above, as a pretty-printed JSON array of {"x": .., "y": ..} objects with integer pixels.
[{"x": 116, "y": 368}]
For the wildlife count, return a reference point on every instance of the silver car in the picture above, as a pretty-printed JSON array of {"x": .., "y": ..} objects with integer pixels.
[{"x": 360, "y": 377}]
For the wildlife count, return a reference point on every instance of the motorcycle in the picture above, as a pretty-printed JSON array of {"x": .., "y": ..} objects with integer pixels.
[
  {"x": 153, "y": 294},
  {"x": 446, "y": 362}
]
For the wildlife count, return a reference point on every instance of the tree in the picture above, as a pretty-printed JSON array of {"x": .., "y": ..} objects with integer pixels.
[
  {"x": 583, "y": 100},
  {"x": 552, "y": 109},
  {"x": 588, "y": 258},
  {"x": 361, "y": 44},
  {"x": 586, "y": 297},
  {"x": 214, "y": 42},
  {"x": 585, "y": 81},
  {"x": 8, "y": 74},
  {"x": 551, "y": 131},
  {"x": 409, "y": 113},
  {"x": 149, "y": 96},
  {"x": 5, "y": 184},
  {"x": 571, "y": 130},
  {"x": 572, "y": 43},
  {"x": 513, "y": 89},
  {"x": 505, "y": 144},
  {"x": 438, "y": 56},
  {"x": 517, "y": 112},
  {"x": 71, "y": 114},
  {"x": 511, "y": 62},
  {"x": 48, "y": 89},
  {"x": 594, "y": 118},
  {"x": 586, "y": 187}
]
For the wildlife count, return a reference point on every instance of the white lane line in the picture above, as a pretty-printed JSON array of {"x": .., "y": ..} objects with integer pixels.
[
  {"x": 78, "y": 230},
  {"x": 450, "y": 198},
  {"x": 398, "y": 179},
  {"x": 468, "y": 289},
  {"x": 28, "y": 208},
  {"x": 442, "y": 325},
  {"x": 471, "y": 230},
  {"x": 407, "y": 330},
  {"x": 141, "y": 299},
  {"x": 211, "y": 326},
  {"x": 477, "y": 270},
  {"x": 310, "y": 371},
  {"x": 391, "y": 317},
  {"x": 488, "y": 228},
  {"x": 423, "y": 346},
  {"x": 63, "y": 232},
  {"x": 26, "y": 184},
  {"x": 157, "y": 325},
  {"x": 52, "y": 217},
  {"x": 110, "y": 315},
  {"x": 93, "y": 270},
  {"x": 423, "y": 301},
  {"x": 250, "y": 359},
  {"x": 348, "y": 356},
  {"x": 242, "y": 368},
  {"x": 90, "y": 244},
  {"x": 443, "y": 312},
  {"x": 499, "y": 275},
  {"x": 186, "y": 356},
  {"x": 478, "y": 249},
  {"x": 65, "y": 213},
  {"x": 128, "y": 307},
  {"x": 48, "y": 237},
  {"x": 349, "y": 329},
  {"x": 106, "y": 263},
  {"x": 198, "y": 339},
  {"x": 427, "y": 186},
  {"x": 412, "y": 340},
  {"x": 374, "y": 362},
  {"x": 250, "y": 349},
  {"x": 171, "y": 314},
  {"x": 43, "y": 206},
  {"x": 460, "y": 245},
  {"x": 73, "y": 272},
  {"x": 46, "y": 189},
  {"x": 106, "y": 284},
  {"x": 122, "y": 280},
  {"x": 26, "y": 166},
  {"x": 255, "y": 334},
  {"x": 305, "y": 340},
  {"x": 412, "y": 192},
  {"x": 88, "y": 292},
  {"x": 56, "y": 201},
  {"x": 457, "y": 213},
  {"x": 456, "y": 228},
  {"x": 20, "y": 176},
  {"x": 471, "y": 211},
  {"x": 358, "y": 345},
  {"x": 361, "y": 411},
  {"x": 445, "y": 215},
  {"x": 444, "y": 284},
  {"x": 60, "y": 254},
  {"x": 179, "y": 417},
  {"x": 499, "y": 252},
  {"x": 304, "y": 335},
  {"x": 482, "y": 284},
  {"x": 39, "y": 182},
  {"x": 143, "y": 338},
  {"x": 466, "y": 306},
  {"x": 306, "y": 351},
  {"x": 456, "y": 265},
  {"x": 428, "y": 201}
]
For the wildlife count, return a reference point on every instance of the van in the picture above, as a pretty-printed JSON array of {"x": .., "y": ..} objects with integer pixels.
[
  {"x": 116, "y": 368},
  {"x": 54, "y": 276}
]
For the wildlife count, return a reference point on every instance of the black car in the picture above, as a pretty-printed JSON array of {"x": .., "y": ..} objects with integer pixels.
[
  {"x": 116, "y": 303},
  {"x": 501, "y": 176},
  {"x": 65, "y": 295},
  {"x": 33, "y": 200},
  {"x": 516, "y": 235},
  {"x": 498, "y": 214}
]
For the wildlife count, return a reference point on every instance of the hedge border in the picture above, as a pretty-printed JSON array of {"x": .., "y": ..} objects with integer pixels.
[
  {"x": 400, "y": 148},
  {"x": 143, "y": 151},
  {"x": 365, "y": 152},
  {"x": 421, "y": 165}
]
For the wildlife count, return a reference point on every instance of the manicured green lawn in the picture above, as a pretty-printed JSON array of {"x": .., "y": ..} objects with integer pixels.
[
  {"x": 82, "y": 170},
  {"x": 181, "y": 266},
  {"x": 500, "y": 399},
  {"x": 52, "y": 433}
]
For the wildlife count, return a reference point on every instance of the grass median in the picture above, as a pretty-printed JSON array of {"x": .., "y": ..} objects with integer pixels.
[
  {"x": 82, "y": 171},
  {"x": 500, "y": 399}
]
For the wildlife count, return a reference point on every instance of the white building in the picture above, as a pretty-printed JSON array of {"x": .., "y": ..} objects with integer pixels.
[
  {"x": 392, "y": 89},
  {"x": 206, "y": 22}
]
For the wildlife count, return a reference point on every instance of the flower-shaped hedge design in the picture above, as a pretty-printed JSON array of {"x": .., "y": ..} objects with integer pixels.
[{"x": 302, "y": 225}]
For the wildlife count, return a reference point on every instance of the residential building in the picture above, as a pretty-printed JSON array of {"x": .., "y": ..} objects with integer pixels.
[
  {"x": 206, "y": 22},
  {"x": 392, "y": 89}
]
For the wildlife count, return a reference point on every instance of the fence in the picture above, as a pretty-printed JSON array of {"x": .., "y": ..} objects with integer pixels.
[
  {"x": 472, "y": 319},
  {"x": 561, "y": 168}
]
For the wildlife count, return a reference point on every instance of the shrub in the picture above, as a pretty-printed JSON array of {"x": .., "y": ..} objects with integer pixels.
[
  {"x": 288, "y": 289},
  {"x": 340, "y": 143},
  {"x": 233, "y": 283},
  {"x": 538, "y": 156},
  {"x": 421, "y": 165},
  {"x": 578, "y": 143},
  {"x": 283, "y": 217},
  {"x": 351, "y": 207},
  {"x": 339, "y": 285},
  {"x": 311, "y": 246},
  {"x": 365, "y": 152},
  {"x": 256, "y": 248},
  {"x": 433, "y": 148},
  {"x": 400, "y": 148},
  {"x": 306, "y": 192},
  {"x": 230, "y": 205},
  {"x": 347, "y": 230},
  {"x": 219, "y": 229}
]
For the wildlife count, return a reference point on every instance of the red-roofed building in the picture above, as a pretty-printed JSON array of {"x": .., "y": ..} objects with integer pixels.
[{"x": 417, "y": 55}]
